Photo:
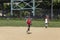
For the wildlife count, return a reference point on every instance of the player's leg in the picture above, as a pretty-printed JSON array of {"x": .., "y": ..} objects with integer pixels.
[
  {"x": 28, "y": 31},
  {"x": 46, "y": 25},
  {"x": 28, "y": 28}
]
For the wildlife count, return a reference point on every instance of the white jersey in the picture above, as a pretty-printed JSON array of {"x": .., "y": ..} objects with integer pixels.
[{"x": 46, "y": 20}]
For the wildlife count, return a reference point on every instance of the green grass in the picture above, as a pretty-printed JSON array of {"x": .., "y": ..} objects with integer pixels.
[
  {"x": 18, "y": 23},
  {"x": 12, "y": 23}
]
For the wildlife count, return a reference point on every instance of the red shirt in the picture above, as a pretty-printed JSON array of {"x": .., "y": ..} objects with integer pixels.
[{"x": 28, "y": 21}]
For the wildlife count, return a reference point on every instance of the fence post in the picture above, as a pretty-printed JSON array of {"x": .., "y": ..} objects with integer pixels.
[{"x": 52, "y": 9}]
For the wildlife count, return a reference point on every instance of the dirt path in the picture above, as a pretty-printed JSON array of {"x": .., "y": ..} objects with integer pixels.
[{"x": 19, "y": 33}]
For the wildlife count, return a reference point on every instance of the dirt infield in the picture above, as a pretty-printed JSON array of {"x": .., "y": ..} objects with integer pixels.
[{"x": 19, "y": 33}]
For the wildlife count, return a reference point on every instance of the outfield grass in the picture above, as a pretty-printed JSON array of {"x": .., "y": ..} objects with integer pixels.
[{"x": 23, "y": 23}]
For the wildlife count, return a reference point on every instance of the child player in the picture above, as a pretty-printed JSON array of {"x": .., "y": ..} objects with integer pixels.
[
  {"x": 28, "y": 21},
  {"x": 46, "y": 21}
]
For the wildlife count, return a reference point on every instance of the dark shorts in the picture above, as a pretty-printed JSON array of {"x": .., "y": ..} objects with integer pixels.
[
  {"x": 46, "y": 24},
  {"x": 28, "y": 25}
]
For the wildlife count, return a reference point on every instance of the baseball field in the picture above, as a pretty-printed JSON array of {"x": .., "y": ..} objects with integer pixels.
[
  {"x": 16, "y": 30},
  {"x": 37, "y": 33}
]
